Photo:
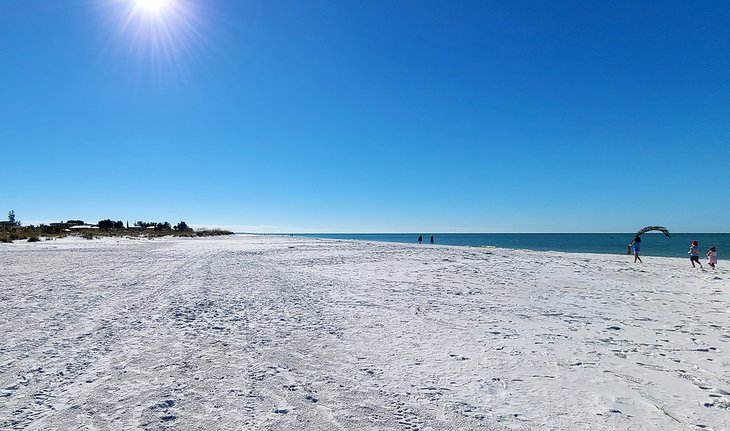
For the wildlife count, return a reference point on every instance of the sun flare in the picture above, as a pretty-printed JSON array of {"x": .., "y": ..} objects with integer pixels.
[
  {"x": 155, "y": 6},
  {"x": 160, "y": 34}
]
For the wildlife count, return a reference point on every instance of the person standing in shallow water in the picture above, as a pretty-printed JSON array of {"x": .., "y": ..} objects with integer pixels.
[
  {"x": 420, "y": 239},
  {"x": 694, "y": 253},
  {"x": 431, "y": 239},
  {"x": 635, "y": 246}
]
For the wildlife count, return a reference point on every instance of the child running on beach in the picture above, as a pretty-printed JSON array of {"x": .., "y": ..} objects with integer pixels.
[
  {"x": 694, "y": 253},
  {"x": 712, "y": 257},
  {"x": 635, "y": 246}
]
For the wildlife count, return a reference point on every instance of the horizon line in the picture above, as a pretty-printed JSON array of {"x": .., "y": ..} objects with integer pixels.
[{"x": 465, "y": 233}]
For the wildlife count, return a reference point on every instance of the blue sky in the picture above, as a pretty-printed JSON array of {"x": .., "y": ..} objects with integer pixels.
[{"x": 378, "y": 116}]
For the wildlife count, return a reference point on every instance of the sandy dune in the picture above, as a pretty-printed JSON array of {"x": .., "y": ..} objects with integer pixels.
[{"x": 296, "y": 334}]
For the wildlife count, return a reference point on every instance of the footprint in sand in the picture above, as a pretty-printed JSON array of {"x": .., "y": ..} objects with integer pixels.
[
  {"x": 8, "y": 390},
  {"x": 407, "y": 418},
  {"x": 163, "y": 408},
  {"x": 311, "y": 398}
]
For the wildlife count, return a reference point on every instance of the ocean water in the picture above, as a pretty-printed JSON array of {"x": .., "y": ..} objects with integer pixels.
[{"x": 652, "y": 244}]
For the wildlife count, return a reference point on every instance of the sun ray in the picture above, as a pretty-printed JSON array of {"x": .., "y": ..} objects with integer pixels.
[
  {"x": 152, "y": 6},
  {"x": 159, "y": 33}
]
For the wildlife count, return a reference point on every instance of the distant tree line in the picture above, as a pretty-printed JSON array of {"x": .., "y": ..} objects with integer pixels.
[
  {"x": 182, "y": 226},
  {"x": 159, "y": 226},
  {"x": 11, "y": 230},
  {"x": 107, "y": 224}
]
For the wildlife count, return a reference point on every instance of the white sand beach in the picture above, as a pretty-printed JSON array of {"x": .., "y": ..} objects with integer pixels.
[{"x": 285, "y": 333}]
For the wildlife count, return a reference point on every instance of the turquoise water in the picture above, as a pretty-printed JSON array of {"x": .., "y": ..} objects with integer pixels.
[{"x": 653, "y": 244}]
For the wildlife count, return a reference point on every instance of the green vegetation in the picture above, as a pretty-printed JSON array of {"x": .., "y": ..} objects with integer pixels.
[
  {"x": 12, "y": 230},
  {"x": 108, "y": 224}
]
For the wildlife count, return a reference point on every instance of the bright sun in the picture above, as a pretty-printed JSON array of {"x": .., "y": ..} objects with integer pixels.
[
  {"x": 161, "y": 32},
  {"x": 152, "y": 5}
]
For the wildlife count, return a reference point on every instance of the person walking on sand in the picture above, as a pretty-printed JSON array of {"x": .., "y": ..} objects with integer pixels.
[
  {"x": 635, "y": 246},
  {"x": 694, "y": 253},
  {"x": 712, "y": 257},
  {"x": 420, "y": 239}
]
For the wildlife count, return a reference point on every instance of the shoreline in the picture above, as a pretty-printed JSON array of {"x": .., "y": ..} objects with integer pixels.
[
  {"x": 507, "y": 250},
  {"x": 487, "y": 246}
]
